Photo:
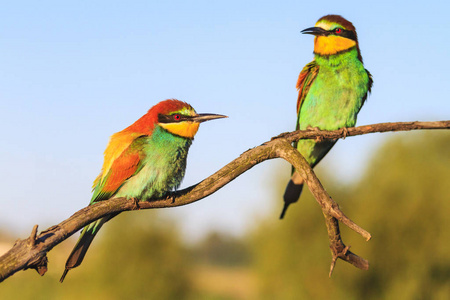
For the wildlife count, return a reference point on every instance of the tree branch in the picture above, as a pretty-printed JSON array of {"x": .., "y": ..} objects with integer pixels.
[
  {"x": 31, "y": 252},
  {"x": 365, "y": 129}
]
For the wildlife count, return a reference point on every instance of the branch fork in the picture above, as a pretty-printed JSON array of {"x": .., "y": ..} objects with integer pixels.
[{"x": 31, "y": 252}]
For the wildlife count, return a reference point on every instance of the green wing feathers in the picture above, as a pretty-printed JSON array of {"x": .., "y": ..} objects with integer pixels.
[{"x": 125, "y": 165}]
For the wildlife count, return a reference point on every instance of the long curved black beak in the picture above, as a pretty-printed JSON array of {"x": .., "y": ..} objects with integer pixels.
[
  {"x": 317, "y": 31},
  {"x": 206, "y": 117}
]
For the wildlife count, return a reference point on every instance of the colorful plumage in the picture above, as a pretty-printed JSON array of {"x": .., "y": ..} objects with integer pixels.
[
  {"x": 331, "y": 90},
  {"x": 144, "y": 161}
]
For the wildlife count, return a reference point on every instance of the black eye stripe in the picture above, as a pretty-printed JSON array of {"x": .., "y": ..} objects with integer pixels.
[
  {"x": 345, "y": 33},
  {"x": 175, "y": 118}
]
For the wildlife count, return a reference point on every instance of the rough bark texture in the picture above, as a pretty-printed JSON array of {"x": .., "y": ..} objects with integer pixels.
[{"x": 31, "y": 253}]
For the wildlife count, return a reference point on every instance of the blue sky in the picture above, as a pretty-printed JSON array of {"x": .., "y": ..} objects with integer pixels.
[{"x": 74, "y": 72}]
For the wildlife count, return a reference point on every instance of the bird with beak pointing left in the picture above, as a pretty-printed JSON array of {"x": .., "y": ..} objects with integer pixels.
[
  {"x": 144, "y": 161},
  {"x": 331, "y": 91}
]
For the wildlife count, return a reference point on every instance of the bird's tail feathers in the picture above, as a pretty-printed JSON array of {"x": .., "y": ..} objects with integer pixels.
[
  {"x": 292, "y": 193},
  {"x": 79, "y": 251}
]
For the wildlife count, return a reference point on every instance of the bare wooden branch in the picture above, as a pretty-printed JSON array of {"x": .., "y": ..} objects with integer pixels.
[
  {"x": 330, "y": 209},
  {"x": 31, "y": 252},
  {"x": 365, "y": 129}
]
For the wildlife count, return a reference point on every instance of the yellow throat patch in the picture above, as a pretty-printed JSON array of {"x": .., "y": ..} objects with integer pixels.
[
  {"x": 329, "y": 45},
  {"x": 332, "y": 44},
  {"x": 183, "y": 129}
]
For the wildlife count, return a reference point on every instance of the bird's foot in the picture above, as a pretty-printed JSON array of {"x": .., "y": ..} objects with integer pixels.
[
  {"x": 312, "y": 128},
  {"x": 318, "y": 138},
  {"x": 344, "y": 132},
  {"x": 135, "y": 203},
  {"x": 171, "y": 196}
]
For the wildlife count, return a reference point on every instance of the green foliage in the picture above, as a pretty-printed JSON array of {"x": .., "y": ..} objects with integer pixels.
[
  {"x": 222, "y": 250},
  {"x": 403, "y": 200},
  {"x": 142, "y": 258},
  {"x": 138, "y": 255}
]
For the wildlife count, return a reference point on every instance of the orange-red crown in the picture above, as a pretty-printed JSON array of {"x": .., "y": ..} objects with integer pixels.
[{"x": 147, "y": 122}]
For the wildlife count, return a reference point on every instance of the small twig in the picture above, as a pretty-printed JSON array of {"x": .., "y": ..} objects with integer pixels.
[
  {"x": 330, "y": 209},
  {"x": 335, "y": 258},
  {"x": 338, "y": 214}
]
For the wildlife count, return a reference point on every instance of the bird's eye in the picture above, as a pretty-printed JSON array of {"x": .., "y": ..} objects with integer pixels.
[
  {"x": 338, "y": 30},
  {"x": 177, "y": 117}
]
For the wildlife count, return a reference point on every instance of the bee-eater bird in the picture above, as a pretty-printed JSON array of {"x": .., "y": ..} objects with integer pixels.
[
  {"x": 331, "y": 90},
  {"x": 144, "y": 161}
]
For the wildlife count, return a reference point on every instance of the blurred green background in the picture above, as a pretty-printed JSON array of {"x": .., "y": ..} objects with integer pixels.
[{"x": 402, "y": 199}]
